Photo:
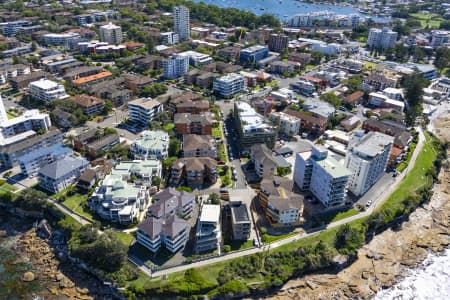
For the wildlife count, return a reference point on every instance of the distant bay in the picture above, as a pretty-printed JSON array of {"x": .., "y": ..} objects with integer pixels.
[{"x": 285, "y": 9}]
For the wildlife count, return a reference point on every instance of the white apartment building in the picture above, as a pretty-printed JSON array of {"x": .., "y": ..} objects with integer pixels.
[
  {"x": 196, "y": 59},
  {"x": 169, "y": 38},
  {"x": 382, "y": 38},
  {"x": 8, "y": 72},
  {"x": 111, "y": 34},
  {"x": 175, "y": 67},
  {"x": 151, "y": 145},
  {"x": 322, "y": 175},
  {"x": 229, "y": 85},
  {"x": 208, "y": 235},
  {"x": 440, "y": 38},
  {"x": 143, "y": 110},
  {"x": 60, "y": 38},
  {"x": 367, "y": 158},
  {"x": 181, "y": 22},
  {"x": 47, "y": 91},
  {"x": 287, "y": 124},
  {"x": 30, "y": 120}
]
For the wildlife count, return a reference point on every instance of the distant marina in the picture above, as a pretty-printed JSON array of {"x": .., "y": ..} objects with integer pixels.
[{"x": 285, "y": 9}]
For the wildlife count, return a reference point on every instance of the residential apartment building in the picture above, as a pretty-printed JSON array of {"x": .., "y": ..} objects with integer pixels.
[
  {"x": 11, "y": 149},
  {"x": 322, "y": 175},
  {"x": 11, "y": 71},
  {"x": 278, "y": 42},
  {"x": 195, "y": 145},
  {"x": 287, "y": 124},
  {"x": 171, "y": 232},
  {"x": 62, "y": 39},
  {"x": 196, "y": 59},
  {"x": 309, "y": 123},
  {"x": 140, "y": 172},
  {"x": 32, "y": 162},
  {"x": 208, "y": 236},
  {"x": 144, "y": 110},
  {"x": 90, "y": 105},
  {"x": 169, "y": 202},
  {"x": 30, "y": 120},
  {"x": 111, "y": 34},
  {"x": 281, "y": 67},
  {"x": 252, "y": 127},
  {"x": 229, "y": 85},
  {"x": 47, "y": 91},
  {"x": 101, "y": 145},
  {"x": 169, "y": 38},
  {"x": 240, "y": 220},
  {"x": 151, "y": 145},
  {"x": 367, "y": 158},
  {"x": 192, "y": 107},
  {"x": 281, "y": 205},
  {"x": 381, "y": 38},
  {"x": 193, "y": 123},
  {"x": 117, "y": 200},
  {"x": 22, "y": 81},
  {"x": 263, "y": 160},
  {"x": 439, "y": 38},
  {"x": 181, "y": 22},
  {"x": 253, "y": 54},
  {"x": 175, "y": 67},
  {"x": 62, "y": 173},
  {"x": 194, "y": 171}
]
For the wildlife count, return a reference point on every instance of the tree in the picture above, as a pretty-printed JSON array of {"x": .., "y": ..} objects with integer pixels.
[
  {"x": 332, "y": 99},
  {"x": 214, "y": 198},
  {"x": 101, "y": 250},
  {"x": 174, "y": 147},
  {"x": 354, "y": 83},
  {"x": 442, "y": 59},
  {"x": 283, "y": 171},
  {"x": 31, "y": 199},
  {"x": 316, "y": 57},
  {"x": 156, "y": 181},
  {"x": 349, "y": 239},
  {"x": 414, "y": 85}
]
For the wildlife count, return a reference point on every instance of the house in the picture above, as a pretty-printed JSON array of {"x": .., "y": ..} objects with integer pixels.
[
  {"x": 195, "y": 145},
  {"x": 186, "y": 123},
  {"x": 89, "y": 104},
  {"x": 87, "y": 179},
  {"x": 62, "y": 173},
  {"x": 282, "y": 206},
  {"x": 151, "y": 145},
  {"x": 208, "y": 236},
  {"x": 350, "y": 123},
  {"x": 195, "y": 171}
]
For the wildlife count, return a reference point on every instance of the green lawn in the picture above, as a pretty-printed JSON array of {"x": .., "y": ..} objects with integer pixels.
[
  {"x": 337, "y": 215},
  {"x": 217, "y": 131},
  {"x": 431, "y": 20},
  {"x": 223, "y": 175},
  {"x": 76, "y": 203},
  {"x": 402, "y": 166},
  {"x": 368, "y": 65},
  {"x": 222, "y": 152},
  {"x": 124, "y": 237},
  {"x": 6, "y": 188},
  {"x": 415, "y": 179},
  {"x": 10, "y": 115},
  {"x": 267, "y": 238},
  {"x": 309, "y": 67}
]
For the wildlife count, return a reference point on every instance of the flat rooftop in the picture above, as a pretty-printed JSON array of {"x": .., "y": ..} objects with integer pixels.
[{"x": 210, "y": 213}]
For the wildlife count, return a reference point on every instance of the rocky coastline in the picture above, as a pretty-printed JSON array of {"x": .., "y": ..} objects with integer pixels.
[
  {"x": 386, "y": 259},
  {"x": 44, "y": 272}
]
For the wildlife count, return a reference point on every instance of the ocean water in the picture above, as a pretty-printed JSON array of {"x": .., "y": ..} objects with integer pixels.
[
  {"x": 430, "y": 281},
  {"x": 285, "y": 9}
]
